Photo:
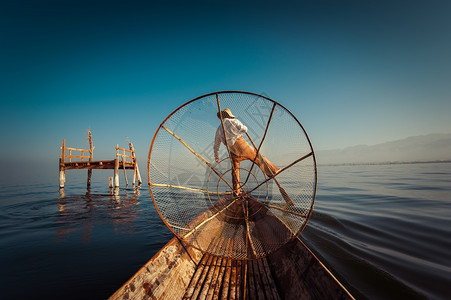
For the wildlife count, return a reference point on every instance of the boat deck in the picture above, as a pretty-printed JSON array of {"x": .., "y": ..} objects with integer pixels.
[
  {"x": 224, "y": 278},
  {"x": 182, "y": 272}
]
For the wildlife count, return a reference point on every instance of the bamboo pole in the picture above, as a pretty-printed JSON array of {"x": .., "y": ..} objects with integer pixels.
[
  {"x": 125, "y": 172},
  {"x": 261, "y": 143},
  {"x": 188, "y": 189},
  {"x": 286, "y": 211},
  {"x": 198, "y": 155},
  {"x": 209, "y": 219}
]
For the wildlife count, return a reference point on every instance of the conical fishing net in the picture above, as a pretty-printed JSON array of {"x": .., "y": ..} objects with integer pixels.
[{"x": 260, "y": 193}]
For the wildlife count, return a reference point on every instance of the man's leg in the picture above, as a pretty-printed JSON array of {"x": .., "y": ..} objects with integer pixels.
[
  {"x": 247, "y": 152},
  {"x": 236, "y": 175},
  {"x": 268, "y": 167}
]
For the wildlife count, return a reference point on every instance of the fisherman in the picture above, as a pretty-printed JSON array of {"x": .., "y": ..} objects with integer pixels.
[{"x": 239, "y": 149}]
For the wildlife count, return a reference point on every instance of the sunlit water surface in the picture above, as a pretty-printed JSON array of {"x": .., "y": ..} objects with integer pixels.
[{"x": 383, "y": 230}]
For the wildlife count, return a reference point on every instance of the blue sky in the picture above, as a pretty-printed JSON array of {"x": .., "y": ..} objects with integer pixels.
[{"x": 353, "y": 72}]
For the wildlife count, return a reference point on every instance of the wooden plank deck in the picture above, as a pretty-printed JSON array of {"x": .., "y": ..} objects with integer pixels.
[{"x": 103, "y": 164}]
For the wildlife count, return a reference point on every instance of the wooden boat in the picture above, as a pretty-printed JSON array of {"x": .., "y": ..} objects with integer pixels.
[
  {"x": 180, "y": 271},
  {"x": 232, "y": 247}
]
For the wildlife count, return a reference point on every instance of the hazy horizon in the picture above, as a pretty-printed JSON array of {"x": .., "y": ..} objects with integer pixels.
[
  {"x": 353, "y": 73},
  {"x": 421, "y": 148},
  {"x": 18, "y": 170}
]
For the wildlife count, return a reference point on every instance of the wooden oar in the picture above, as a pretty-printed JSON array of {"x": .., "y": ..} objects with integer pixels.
[{"x": 285, "y": 195}]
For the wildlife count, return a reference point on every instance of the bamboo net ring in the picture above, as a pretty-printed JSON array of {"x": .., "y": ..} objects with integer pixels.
[{"x": 256, "y": 198}]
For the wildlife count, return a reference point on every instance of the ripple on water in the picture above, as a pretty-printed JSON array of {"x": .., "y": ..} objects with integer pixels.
[{"x": 385, "y": 231}]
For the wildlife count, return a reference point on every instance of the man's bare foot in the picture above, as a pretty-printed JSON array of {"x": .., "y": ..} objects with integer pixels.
[{"x": 238, "y": 193}]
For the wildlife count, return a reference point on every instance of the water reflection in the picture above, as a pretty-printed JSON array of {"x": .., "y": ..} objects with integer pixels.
[{"x": 117, "y": 208}]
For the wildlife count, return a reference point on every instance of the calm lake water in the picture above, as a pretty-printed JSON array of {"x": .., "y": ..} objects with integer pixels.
[{"x": 383, "y": 230}]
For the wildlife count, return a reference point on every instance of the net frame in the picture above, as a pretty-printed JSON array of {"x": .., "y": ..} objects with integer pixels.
[{"x": 219, "y": 239}]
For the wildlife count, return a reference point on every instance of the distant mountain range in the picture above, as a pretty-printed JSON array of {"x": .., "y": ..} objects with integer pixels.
[{"x": 423, "y": 148}]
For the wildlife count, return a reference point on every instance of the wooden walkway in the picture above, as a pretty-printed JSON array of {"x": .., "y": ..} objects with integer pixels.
[{"x": 77, "y": 158}]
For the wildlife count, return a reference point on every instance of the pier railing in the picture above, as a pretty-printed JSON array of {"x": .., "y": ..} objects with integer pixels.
[
  {"x": 68, "y": 154},
  {"x": 126, "y": 154}
]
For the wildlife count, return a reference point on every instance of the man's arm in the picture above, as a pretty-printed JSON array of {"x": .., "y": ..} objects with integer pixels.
[{"x": 240, "y": 126}]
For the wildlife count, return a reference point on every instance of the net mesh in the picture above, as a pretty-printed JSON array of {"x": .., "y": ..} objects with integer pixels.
[{"x": 195, "y": 195}]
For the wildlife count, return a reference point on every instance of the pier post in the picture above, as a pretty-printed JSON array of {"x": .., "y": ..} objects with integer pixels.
[
  {"x": 135, "y": 161},
  {"x": 137, "y": 173},
  {"x": 125, "y": 172},
  {"x": 62, "y": 171},
  {"x": 116, "y": 172},
  {"x": 91, "y": 147},
  {"x": 89, "y": 178},
  {"x": 62, "y": 175},
  {"x": 134, "y": 175}
]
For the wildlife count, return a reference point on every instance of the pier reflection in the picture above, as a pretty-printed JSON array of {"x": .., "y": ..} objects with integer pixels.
[{"x": 116, "y": 208}]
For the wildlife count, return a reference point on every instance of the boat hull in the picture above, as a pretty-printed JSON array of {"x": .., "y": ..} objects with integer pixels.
[{"x": 179, "y": 271}]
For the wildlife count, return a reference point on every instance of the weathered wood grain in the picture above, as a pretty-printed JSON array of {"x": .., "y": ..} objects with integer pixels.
[{"x": 177, "y": 272}]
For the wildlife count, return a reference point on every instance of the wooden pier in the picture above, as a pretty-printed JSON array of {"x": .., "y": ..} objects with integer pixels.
[{"x": 77, "y": 158}]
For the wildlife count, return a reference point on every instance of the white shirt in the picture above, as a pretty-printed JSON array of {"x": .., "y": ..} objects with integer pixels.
[{"x": 233, "y": 129}]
